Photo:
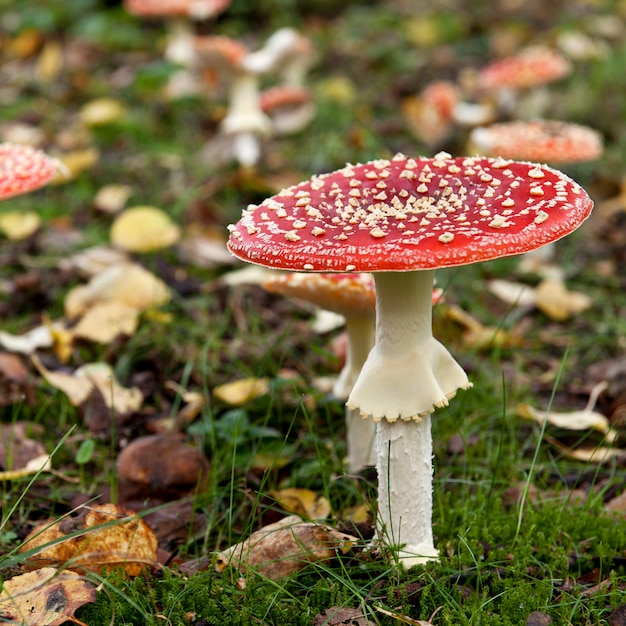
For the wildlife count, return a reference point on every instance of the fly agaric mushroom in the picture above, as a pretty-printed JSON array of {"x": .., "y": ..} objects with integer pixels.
[
  {"x": 179, "y": 47},
  {"x": 245, "y": 124},
  {"x": 529, "y": 71},
  {"x": 24, "y": 169},
  {"x": 354, "y": 297},
  {"x": 549, "y": 141},
  {"x": 401, "y": 219},
  {"x": 289, "y": 107}
]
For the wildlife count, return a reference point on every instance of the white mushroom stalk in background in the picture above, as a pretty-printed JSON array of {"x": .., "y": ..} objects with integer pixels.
[
  {"x": 352, "y": 296},
  {"x": 401, "y": 219}
]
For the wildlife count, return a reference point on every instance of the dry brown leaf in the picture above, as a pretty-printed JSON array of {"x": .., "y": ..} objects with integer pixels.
[
  {"x": 127, "y": 283},
  {"x": 303, "y": 502},
  {"x": 103, "y": 537},
  {"x": 45, "y": 597},
  {"x": 240, "y": 392},
  {"x": 342, "y": 616},
  {"x": 17, "y": 225},
  {"x": 285, "y": 547},
  {"x": 105, "y": 321},
  {"x": 554, "y": 300},
  {"x": 144, "y": 229},
  {"x": 17, "y": 449}
]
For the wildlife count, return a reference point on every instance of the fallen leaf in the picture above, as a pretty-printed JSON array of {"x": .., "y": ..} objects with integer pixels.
[
  {"x": 79, "y": 385},
  {"x": 45, "y": 597},
  {"x": 554, "y": 300},
  {"x": 17, "y": 449},
  {"x": 282, "y": 548},
  {"x": 17, "y": 225},
  {"x": 586, "y": 419},
  {"x": 41, "y": 463},
  {"x": 205, "y": 250},
  {"x": 105, "y": 321},
  {"x": 103, "y": 537},
  {"x": 144, "y": 229},
  {"x": 516, "y": 294},
  {"x": 29, "y": 342},
  {"x": 342, "y": 616},
  {"x": 102, "y": 376},
  {"x": 303, "y": 502},
  {"x": 112, "y": 198},
  {"x": 50, "y": 61},
  {"x": 76, "y": 162},
  {"x": 404, "y": 619},
  {"x": 161, "y": 466},
  {"x": 127, "y": 283},
  {"x": 93, "y": 260},
  {"x": 477, "y": 335},
  {"x": 240, "y": 392},
  {"x": 101, "y": 111}
]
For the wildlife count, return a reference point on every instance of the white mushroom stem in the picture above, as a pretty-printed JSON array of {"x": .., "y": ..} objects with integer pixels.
[
  {"x": 405, "y": 499},
  {"x": 359, "y": 432},
  {"x": 360, "y": 333},
  {"x": 179, "y": 48},
  {"x": 407, "y": 374}
]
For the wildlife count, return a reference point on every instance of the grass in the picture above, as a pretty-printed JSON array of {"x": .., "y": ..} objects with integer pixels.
[{"x": 505, "y": 551}]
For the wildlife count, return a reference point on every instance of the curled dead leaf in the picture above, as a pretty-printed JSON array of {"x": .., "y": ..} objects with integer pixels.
[
  {"x": 280, "y": 549},
  {"x": 103, "y": 537},
  {"x": 17, "y": 225}
]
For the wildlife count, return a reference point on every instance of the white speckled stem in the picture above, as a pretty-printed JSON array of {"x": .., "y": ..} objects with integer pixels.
[
  {"x": 408, "y": 373},
  {"x": 405, "y": 499}
]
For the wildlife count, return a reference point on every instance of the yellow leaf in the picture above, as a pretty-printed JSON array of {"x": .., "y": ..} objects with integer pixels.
[
  {"x": 143, "y": 229},
  {"x": 16, "y": 225},
  {"x": 303, "y": 502},
  {"x": 104, "y": 321},
  {"x": 76, "y": 162},
  {"x": 126, "y": 283},
  {"x": 38, "y": 337},
  {"x": 50, "y": 61},
  {"x": 112, "y": 538},
  {"x": 102, "y": 376},
  {"x": 102, "y": 111},
  {"x": 242, "y": 391},
  {"x": 45, "y": 597},
  {"x": 555, "y": 301},
  {"x": 76, "y": 390}
]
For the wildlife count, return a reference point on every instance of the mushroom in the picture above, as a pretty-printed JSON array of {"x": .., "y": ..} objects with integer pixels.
[
  {"x": 528, "y": 71},
  {"x": 354, "y": 297},
  {"x": 24, "y": 169},
  {"x": 542, "y": 140},
  {"x": 550, "y": 141},
  {"x": 179, "y": 48},
  {"x": 289, "y": 107},
  {"x": 401, "y": 219},
  {"x": 245, "y": 124}
]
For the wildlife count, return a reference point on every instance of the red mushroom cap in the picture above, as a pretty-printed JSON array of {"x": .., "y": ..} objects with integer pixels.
[
  {"x": 283, "y": 96},
  {"x": 533, "y": 66},
  {"x": 199, "y": 9},
  {"x": 538, "y": 140},
  {"x": 410, "y": 214},
  {"x": 23, "y": 169}
]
